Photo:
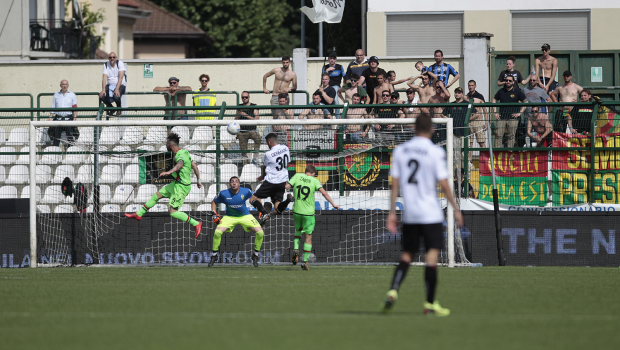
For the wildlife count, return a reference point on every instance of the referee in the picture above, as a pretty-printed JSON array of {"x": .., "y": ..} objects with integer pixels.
[
  {"x": 416, "y": 171},
  {"x": 63, "y": 99}
]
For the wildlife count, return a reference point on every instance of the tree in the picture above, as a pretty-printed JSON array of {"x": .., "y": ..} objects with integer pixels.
[
  {"x": 240, "y": 28},
  {"x": 89, "y": 17}
]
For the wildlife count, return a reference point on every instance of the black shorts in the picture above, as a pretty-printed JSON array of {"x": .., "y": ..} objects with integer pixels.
[
  {"x": 275, "y": 191},
  {"x": 432, "y": 234},
  {"x": 554, "y": 84}
]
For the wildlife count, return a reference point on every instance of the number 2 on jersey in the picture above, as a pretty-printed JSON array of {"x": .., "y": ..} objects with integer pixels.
[
  {"x": 413, "y": 164},
  {"x": 282, "y": 162},
  {"x": 303, "y": 191}
]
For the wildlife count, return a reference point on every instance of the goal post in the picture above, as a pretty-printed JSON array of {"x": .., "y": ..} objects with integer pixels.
[{"x": 362, "y": 237}]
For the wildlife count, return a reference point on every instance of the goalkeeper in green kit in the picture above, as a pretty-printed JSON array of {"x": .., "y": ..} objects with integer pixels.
[
  {"x": 303, "y": 186},
  {"x": 179, "y": 188}
]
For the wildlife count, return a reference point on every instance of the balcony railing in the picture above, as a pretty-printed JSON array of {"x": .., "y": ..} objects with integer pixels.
[{"x": 55, "y": 36}]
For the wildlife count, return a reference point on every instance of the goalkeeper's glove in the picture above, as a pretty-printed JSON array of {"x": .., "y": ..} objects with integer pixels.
[{"x": 215, "y": 217}]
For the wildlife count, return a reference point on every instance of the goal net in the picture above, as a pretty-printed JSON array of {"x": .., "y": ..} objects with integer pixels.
[{"x": 114, "y": 167}]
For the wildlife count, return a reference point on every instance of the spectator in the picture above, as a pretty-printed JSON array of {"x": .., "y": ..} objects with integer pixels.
[
  {"x": 508, "y": 117},
  {"x": 247, "y": 132},
  {"x": 420, "y": 67},
  {"x": 549, "y": 66},
  {"x": 173, "y": 88},
  {"x": 63, "y": 99},
  {"x": 351, "y": 88},
  {"x": 328, "y": 94},
  {"x": 510, "y": 65},
  {"x": 465, "y": 193},
  {"x": 335, "y": 71},
  {"x": 443, "y": 70},
  {"x": 369, "y": 77},
  {"x": 315, "y": 113},
  {"x": 583, "y": 117},
  {"x": 387, "y": 132},
  {"x": 113, "y": 82},
  {"x": 205, "y": 100},
  {"x": 391, "y": 78},
  {"x": 540, "y": 123},
  {"x": 395, "y": 98},
  {"x": 357, "y": 66},
  {"x": 356, "y": 133},
  {"x": 425, "y": 91},
  {"x": 476, "y": 121},
  {"x": 287, "y": 113},
  {"x": 442, "y": 95},
  {"x": 533, "y": 94},
  {"x": 382, "y": 84},
  {"x": 458, "y": 115},
  {"x": 568, "y": 92},
  {"x": 284, "y": 77},
  {"x": 412, "y": 100}
]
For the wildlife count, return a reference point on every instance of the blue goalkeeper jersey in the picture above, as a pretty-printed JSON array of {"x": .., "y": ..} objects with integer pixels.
[{"x": 235, "y": 204}]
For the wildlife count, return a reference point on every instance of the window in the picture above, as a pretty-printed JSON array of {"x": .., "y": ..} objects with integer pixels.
[{"x": 569, "y": 30}]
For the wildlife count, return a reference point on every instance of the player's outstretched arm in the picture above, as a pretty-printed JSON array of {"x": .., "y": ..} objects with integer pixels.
[
  {"x": 214, "y": 215},
  {"x": 392, "y": 222},
  {"x": 446, "y": 189},
  {"x": 329, "y": 199},
  {"x": 197, "y": 172},
  {"x": 176, "y": 168}
]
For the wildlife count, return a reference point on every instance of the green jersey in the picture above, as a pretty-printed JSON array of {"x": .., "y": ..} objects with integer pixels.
[
  {"x": 303, "y": 190},
  {"x": 183, "y": 176}
]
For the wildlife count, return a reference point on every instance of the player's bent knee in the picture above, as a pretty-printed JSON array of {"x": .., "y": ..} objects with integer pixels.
[{"x": 260, "y": 234}]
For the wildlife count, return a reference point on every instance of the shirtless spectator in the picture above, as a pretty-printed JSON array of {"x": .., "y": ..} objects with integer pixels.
[
  {"x": 382, "y": 84},
  {"x": 442, "y": 95},
  {"x": 286, "y": 113},
  {"x": 412, "y": 100},
  {"x": 583, "y": 117},
  {"x": 477, "y": 122},
  {"x": 568, "y": 92},
  {"x": 540, "y": 123},
  {"x": 284, "y": 78},
  {"x": 369, "y": 77},
  {"x": 425, "y": 91},
  {"x": 247, "y": 132},
  {"x": 508, "y": 117},
  {"x": 549, "y": 66},
  {"x": 113, "y": 82},
  {"x": 315, "y": 113},
  {"x": 351, "y": 88},
  {"x": 357, "y": 133},
  {"x": 510, "y": 70},
  {"x": 173, "y": 87},
  {"x": 391, "y": 78},
  {"x": 357, "y": 66}
]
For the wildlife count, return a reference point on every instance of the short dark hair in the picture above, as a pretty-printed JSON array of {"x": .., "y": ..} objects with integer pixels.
[
  {"x": 355, "y": 76},
  {"x": 324, "y": 75},
  {"x": 472, "y": 81},
  {"x": 310, "y": 169},
  {"x": 423, "y": 123},
  {"x": 587, "y": 91},
  {"x": 283, "y": 95},
  {"x": 512, "y": 58},
  {"x": 441, "y": 52},
  {"x": 381, "y": 74},
  {"x": 233, "y": 177},
  {"x": 245, "y": 92},
  {"x": 174, "y": 138},
  {"x": 388, "y": 91},
  {"x": 204, "y": 76},
  {"x": 356, "y": 95},
  {"x": 272, "y": 136},
  {"x": 316, "y": 93},
  {"x": 286, "y": 58},
  {"x": 390, "y": 72}
]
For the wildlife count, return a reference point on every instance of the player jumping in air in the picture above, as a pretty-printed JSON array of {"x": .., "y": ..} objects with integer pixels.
[
  {"x": 275, "y": 174},
  {"x": 178, "y": 189},
  {"x": 304, "y": 186},
  {"x": 417, "y": 167},
  {"x": 236, "y": 214}
]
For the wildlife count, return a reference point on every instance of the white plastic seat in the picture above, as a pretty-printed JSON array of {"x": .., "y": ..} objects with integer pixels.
[
  {"x": 147, "y": 148},
  {"x": 211, "y": 193},
  {"x": 48, "y": 158},
  {"x": 87, "y": 136},
  {"x": 63, "y": 171},
  {"x": 2, "y": 174},
  {"x": 225, "y": 136},
  {"x": 145, "y": 192},
  {"x": 132, "y": 136},
  {"x": 85, "y": 174},
  {"x": 52, "y": 195},
  {"x": 156, "y": 135},
  {"x": 8, "y": 192},
  {"x": 42, "y": 137},
  {"x": 227, "y": 171},
  {"x": 44, "y": 174},
  {"x": 207, "y": 173},
  {"x": 64, "y": 209},
  {"x": 210, "y": 157},
  {"x": 104, "y": 194},
  {"x": 110, "y": 208},
  {"x": 110, "y": 174},
  {"x": 196, "y": 156},
  {"x": 103, "y": 158},
  {"x": 43, "y": 209},
  {"x": 249, "y": 173},
  {"x": 123, "y": 194},
  {"x": 110, "y": 135},
  {"x": 123, "y": 157},
  {"x": 159, "y": 208},
  {"x": 18, "y": 137},
  {"x": 7, "y": 159},
  {"x": 196, "y": 195},
  {"x": 202, "y": 135},
  {"x": 132, "y": 208},
  {"x": 76, "y": 158},
  {"x": 18, "y": 174},
  {"x": 183, "y": 132},
  {"x": 204, "y": 207},
  {"x": 382, "y": 193},
  {"x": 132, "y": 174},
  {"x": 25, "y": 158}
]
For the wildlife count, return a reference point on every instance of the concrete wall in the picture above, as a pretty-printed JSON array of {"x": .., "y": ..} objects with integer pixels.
[
  {"x": 494, "y": 22},
  {"x": 230, "y": 74},
  {"x": 160, "y": 51},
  {"x": 125, "y": 39},
  {"x": 376, "y": 32},
  {"x": 110, "y": 8}
]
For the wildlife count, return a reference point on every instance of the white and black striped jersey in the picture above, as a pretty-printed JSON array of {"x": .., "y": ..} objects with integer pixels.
[
  {"x": 276, "y": 164},
  {"x": 419, "y": 165}
]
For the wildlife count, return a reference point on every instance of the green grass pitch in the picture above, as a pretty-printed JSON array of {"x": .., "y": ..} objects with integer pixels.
[{"x": 328, "y": 307}]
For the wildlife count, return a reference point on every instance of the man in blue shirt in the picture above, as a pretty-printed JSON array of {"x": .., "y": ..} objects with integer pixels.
[
  {"x": 237, "y": 213},
  {"x": 443, "y": 70}
]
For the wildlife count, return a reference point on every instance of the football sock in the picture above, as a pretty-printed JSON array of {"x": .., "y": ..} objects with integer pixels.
[
  {"x": 430, "y": 278},
  {"x": 282, "y": 206},
  {"x": 184, "y": 217},
  {"x": 296, "y": 240},
  {"x": 307, "y": 251},
  {"x": 399, "y": 274},
  {"x": 259, "y": 206},
  {"x": 217, "y": 239},
  {"x": 149, "y": 204},
  {"x": 258, "y": 241}
]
